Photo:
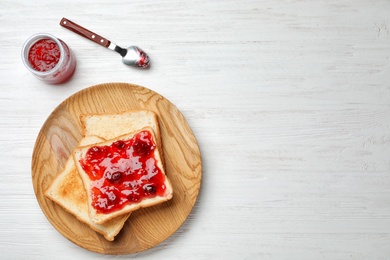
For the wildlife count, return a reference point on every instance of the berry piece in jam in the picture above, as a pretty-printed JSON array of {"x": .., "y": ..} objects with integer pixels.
[
  {"x": 142, "y": 147},
  {"x": 114, "y": 177},
  {"x": 149, "y": 189},
  {"x": 124, "y": 172},
  {"x": 119, "y": 144}
]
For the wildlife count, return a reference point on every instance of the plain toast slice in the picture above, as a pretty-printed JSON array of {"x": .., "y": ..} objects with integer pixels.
[
  {"x": 109, "y": 126},
  {"x": 68, "y": 191}
]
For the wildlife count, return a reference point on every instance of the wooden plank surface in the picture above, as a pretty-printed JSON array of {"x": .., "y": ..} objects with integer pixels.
[{"x": 288, "y": 100}]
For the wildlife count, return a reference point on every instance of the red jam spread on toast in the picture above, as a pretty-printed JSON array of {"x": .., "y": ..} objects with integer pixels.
[
  {"x": 44, "y": 55},
  {"x": 123, "y": 173}
]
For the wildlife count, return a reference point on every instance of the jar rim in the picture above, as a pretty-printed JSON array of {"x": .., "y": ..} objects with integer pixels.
[{"x": 31, "y": 41}]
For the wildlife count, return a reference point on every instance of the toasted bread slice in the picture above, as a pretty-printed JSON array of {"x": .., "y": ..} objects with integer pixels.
[
  {"x": 117, "y": 171},
  {"x": 109, "y": 126},
  {"x": 68, "y": 191}
]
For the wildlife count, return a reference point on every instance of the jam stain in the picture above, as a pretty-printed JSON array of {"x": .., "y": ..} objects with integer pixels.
[
  {"x": 123, "y": 173},
  {"x": 44, "y": 55}
]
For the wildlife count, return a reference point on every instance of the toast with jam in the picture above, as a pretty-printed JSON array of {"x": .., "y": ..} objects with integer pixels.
[{"x": 123, "y": 174}]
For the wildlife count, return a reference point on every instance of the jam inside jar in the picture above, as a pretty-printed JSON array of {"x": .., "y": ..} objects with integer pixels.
[
  {"x": 48, "y": 58},
  {"x": 44, "y": 55}
]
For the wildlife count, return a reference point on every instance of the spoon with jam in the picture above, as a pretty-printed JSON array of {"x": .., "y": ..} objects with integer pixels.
[{"x": 132, "y": 55}]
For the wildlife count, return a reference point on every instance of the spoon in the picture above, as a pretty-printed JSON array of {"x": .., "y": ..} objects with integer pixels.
[{"x": 132, "y": 55}]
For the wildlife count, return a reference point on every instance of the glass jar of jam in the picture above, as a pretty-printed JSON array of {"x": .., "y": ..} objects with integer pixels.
[{"x": 48, "y": 58}]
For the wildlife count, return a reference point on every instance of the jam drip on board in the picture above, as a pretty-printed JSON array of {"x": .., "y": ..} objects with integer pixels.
[
  {"x": 123, "y": 173},
  {"x": 44, "y": 55}
]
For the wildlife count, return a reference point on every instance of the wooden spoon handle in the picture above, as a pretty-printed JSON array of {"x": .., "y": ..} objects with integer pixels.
[{"x": 84, "y": 32}]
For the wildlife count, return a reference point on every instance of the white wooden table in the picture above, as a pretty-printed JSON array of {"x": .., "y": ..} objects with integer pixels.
[{"x": 289, "y": 101}]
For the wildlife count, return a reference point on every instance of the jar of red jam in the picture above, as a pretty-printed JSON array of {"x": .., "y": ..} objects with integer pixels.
[{"x": 48, "y": 58}]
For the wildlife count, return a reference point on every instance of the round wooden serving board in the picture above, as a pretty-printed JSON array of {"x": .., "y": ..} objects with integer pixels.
[{"x": 146, "y": 227}]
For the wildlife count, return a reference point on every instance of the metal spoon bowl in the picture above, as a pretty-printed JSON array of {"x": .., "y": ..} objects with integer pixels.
[{"x": 132, "y": 55}]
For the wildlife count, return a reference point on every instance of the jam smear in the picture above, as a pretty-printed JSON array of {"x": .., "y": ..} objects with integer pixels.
[
  {"x": 44, "y": 55},
  {"x": 144, "y": 59},
  {"x": 123, "y": 173}
]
